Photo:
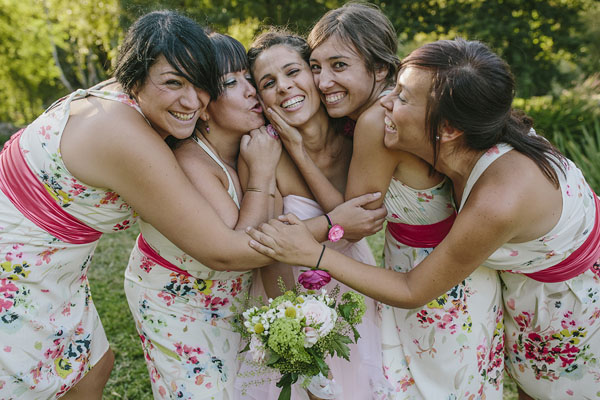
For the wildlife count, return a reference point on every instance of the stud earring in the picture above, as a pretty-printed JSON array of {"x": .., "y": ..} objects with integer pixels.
[
  {"x": 437, "y": 138},
  {"x": 206, "y": 127}
]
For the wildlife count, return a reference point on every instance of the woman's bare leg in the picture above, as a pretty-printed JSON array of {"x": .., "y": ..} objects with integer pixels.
[{"x": 91, "y": 385}]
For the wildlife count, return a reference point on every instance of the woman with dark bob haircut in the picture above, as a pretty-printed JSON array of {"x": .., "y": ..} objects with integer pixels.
[
  {"x": 183, "y": 308},
  {"x": 523, "y": 209},
  {"x": 80, "y": 170}
]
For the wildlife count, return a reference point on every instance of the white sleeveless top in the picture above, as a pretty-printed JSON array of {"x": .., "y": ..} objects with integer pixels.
[{"x": 572, "y": 229}]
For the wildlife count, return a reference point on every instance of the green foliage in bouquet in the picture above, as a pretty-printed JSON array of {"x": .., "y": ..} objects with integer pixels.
[{"x": 295, "y": 332}]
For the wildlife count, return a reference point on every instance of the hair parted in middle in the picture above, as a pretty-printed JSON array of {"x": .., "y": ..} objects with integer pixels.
[{"x": 367, "y": 29}]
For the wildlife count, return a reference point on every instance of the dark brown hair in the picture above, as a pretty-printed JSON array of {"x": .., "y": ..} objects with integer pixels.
[
  {"x": 181, "y": 40},
  {"x": 472, "y": 90}
]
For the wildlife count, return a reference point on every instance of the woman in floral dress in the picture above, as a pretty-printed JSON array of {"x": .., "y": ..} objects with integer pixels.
[
  {"x": 80, "y": 170},
  {"x": 452, "y": 107},
  {"x": 464, "y": 326},
  {"x": 183, "y": 308}
]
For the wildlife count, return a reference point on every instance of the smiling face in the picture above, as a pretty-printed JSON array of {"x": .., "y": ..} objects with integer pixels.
[
  {"x": 405, "y": 112},
  {"x": 285, "y": 83},
  {"x": 169, "y": 101},
  {"x": 237, "y": 109},
  {"x": 342, "y": 77}
]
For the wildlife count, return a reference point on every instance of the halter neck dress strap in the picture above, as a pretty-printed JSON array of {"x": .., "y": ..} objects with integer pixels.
[{"x": 231, "y": 189}]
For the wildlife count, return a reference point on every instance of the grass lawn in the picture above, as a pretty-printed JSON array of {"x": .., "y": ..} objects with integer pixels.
[{"x": 129, "y": 378}]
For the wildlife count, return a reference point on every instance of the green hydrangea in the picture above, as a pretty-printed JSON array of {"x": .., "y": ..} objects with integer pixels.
[
  {"x": 352, "y": 307},
  {"x": 287, "y": 339},
  {"x": 287, "y": 296}
]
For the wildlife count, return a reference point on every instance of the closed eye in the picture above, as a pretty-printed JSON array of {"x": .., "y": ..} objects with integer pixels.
[
  {"x": 293, "y": 71},
  {"x": 267, "y": 84},
  {"x": 229, "y": 83},
  {"x": 174, "y": 82}
]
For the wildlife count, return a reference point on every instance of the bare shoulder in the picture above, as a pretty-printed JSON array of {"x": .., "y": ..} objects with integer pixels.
[
  {"x": 409, "y": 169},
  {"x": 104, "y": 135},
  {"x": 514, "y": 193},
  {"x": 197, "y": 164},
  {"x": 371, "y": 120}
]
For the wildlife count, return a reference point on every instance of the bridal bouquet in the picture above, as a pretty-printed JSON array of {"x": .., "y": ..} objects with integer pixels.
[{"x": 296, "y": 331}]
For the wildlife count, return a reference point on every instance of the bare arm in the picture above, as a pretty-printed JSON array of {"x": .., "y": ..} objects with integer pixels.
[
  {"x": 372, "y": 164},
  {"x": 110, "y": 145},
  {"x": 490, "y": 219},
  {"x": 259, "y": 154}
]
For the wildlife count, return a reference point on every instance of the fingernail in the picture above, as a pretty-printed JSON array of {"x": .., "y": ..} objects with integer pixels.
[
  {"x": 248, "y": 228},
  {"x": 253, "y": 242},
  {"x": 269, "y": 110},
  {"x": 377, "y": 195}
]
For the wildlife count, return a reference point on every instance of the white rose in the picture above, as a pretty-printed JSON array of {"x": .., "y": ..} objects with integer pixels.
[
  {"x": 257, "y": 349},
  {"x": 319, "y": 315}
]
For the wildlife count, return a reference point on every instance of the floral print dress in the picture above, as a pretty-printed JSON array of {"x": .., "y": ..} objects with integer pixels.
[
  {"x": 452, "y": 347},
  {"x": 184, "y": 322},
  {"x": 552, "y": 329},
  {"x": 51, "y": 334}
]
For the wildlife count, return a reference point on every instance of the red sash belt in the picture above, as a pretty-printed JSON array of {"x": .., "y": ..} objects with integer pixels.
[
  {"x": 421, "y": 236},
  {"x": 149, "y": 252},
  {"x": 579, "y": 261},
  {"x": 25, "y": 191}
]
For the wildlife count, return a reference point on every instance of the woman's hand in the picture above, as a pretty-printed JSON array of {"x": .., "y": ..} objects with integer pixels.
[
  {"x": 260, "y": 151},
  {"x": 357, "y": 221},
  {"x": 286, "y": 239},
  {"x": 290, "y": 136}
]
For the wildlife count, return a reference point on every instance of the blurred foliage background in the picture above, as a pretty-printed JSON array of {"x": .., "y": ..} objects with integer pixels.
[{"x": 50, "y": 47}]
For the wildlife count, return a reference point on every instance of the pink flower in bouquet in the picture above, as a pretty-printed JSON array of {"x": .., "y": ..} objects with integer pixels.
[
  {"x": 335, "y": 233},
  {"x": 319, "y": 314},
  {"x": 314, "y": 279}
]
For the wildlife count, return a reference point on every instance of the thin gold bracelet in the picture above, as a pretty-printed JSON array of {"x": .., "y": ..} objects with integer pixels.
[{"x": 252, "y": 189}]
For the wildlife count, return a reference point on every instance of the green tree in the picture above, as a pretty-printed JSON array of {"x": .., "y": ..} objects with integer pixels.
[
  {"x": 538, "y": 38},
  {"x": 61, "y": 45}
]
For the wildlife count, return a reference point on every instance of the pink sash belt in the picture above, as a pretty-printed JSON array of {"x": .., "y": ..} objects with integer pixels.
[
  {"x": 579, "y": 261},
  {"x": 25, "y": 191},
  {"x": 421, "y": 236},
  {"x": 149, "y": 252}
]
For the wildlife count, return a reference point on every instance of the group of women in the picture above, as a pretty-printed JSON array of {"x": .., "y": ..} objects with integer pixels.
[{"x": 491, "y": 246}]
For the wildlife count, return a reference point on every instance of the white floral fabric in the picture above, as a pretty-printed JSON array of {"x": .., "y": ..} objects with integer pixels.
[
  {"x": 50, "y": 332},
  {"x": 452, "y": 347},
  {"x": 552, "y": 329},
  {"x": 184, "y": 322}
]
